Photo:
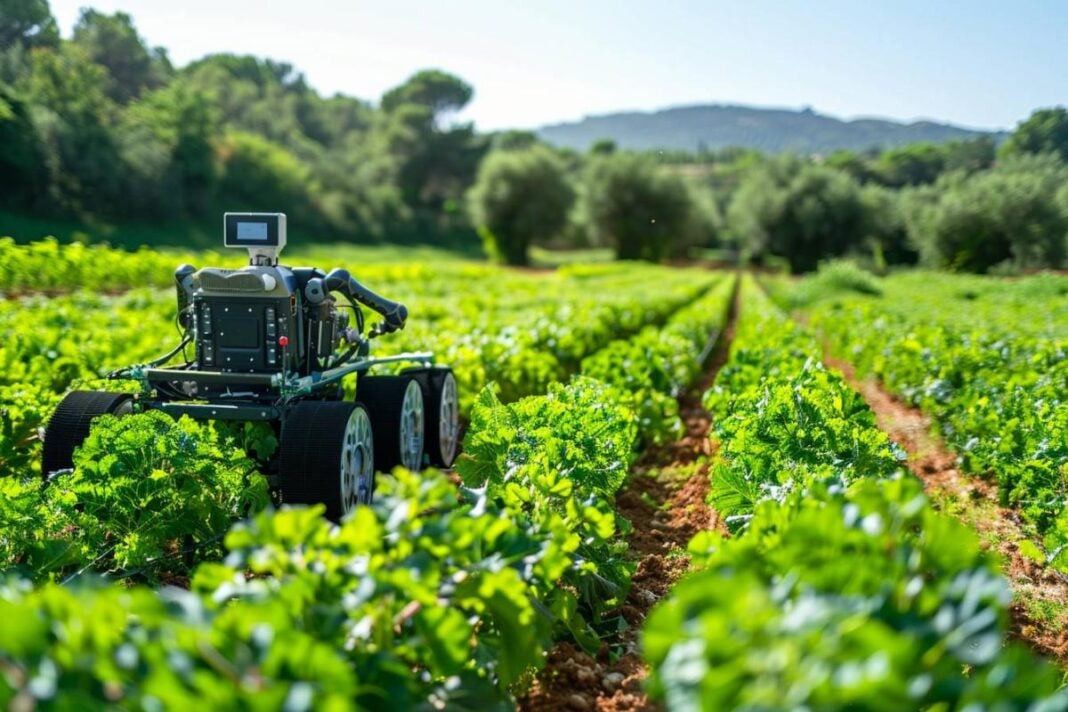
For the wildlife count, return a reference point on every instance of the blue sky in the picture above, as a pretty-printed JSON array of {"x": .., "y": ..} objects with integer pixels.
[{"x": 979, "y": 63}]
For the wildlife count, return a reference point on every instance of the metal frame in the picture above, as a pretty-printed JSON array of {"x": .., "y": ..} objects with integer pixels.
[{"x": 287, "y": 387}]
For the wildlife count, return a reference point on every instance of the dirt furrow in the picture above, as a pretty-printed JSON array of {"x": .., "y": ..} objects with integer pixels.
[
  {"x": 665, "y": 501},
  {"x": 1039, "y": 613}
]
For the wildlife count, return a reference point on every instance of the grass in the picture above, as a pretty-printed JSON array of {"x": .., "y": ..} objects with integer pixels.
[
  {"x": 1049, "y": 613},
  {"x": 541, "y": 257}
]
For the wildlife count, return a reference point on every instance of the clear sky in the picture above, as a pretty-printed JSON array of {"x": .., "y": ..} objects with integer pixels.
[{"x": 978, "y": 63}]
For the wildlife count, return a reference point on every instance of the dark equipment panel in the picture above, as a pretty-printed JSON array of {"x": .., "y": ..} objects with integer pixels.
[{"x": 242, "y": 336}]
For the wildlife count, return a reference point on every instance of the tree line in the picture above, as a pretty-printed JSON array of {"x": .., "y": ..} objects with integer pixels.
[
  {"x": 101, "y": 128},
  {"x": 964, "y": 205}
]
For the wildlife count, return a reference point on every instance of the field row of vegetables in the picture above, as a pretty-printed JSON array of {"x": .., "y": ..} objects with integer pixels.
[
  {"x": 840, "y": 586},
  {"x": 433, "y": 597},
  {"x": 521, "y": 333},
  {"x": 989, "y": 362}
]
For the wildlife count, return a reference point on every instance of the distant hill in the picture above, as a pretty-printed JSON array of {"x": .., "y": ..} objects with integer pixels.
[{"x": 716, "y": 126}]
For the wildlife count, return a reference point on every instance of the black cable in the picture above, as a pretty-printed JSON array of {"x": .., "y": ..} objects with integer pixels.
[{"x": 170, "y": 354}]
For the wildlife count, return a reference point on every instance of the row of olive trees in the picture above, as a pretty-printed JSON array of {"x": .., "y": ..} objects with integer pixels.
[
  {"x": 954, "y": 206},
  {"x": 1004, "y": 213},
  {"x": 532, "y": 195},
  {"x": 1011, "y": 216}
]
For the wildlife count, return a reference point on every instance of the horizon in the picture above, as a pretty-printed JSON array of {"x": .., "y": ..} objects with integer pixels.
[
  {"x": 559, "y": 63},
  {"x": 713, "y": 103}
]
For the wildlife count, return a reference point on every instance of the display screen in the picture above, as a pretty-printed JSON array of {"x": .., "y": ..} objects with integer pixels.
[
  {"x": 252, "y": 231},
  {"x": 255, "y": 230}
]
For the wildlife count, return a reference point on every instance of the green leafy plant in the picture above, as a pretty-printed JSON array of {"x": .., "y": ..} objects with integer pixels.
[{"x": 144, "y": 489}]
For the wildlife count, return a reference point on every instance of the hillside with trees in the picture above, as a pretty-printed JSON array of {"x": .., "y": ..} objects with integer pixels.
[
  {"x": 716, "y": 126},
  {"x": 102, "y": 128}
]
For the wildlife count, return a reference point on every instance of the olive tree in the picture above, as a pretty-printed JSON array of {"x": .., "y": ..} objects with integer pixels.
[
  {"x": 643, "y": 210},
  {"x": 1011, "y": 216},
  {"x": 798, "y": 211},
  {"x": 520, "y": 198}
]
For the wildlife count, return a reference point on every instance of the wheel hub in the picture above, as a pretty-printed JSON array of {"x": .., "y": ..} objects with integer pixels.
[
  {"x": 357, "y": 462},
  {"x": 449, "y": 419},
  {"x": 411, "y": 427}
]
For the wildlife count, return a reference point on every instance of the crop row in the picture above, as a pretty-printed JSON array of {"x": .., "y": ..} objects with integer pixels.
[
  {"x": 840, "y": 587},
  {"x": 107, "y": 513},
  {"x": 47, "y": 266},
  {"x": 433, "y": 597},
  {"x": 990, "y": 366},
  {"x": 537, "y": 335}
]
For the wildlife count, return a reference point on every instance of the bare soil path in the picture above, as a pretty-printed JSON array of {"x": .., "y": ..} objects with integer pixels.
[
  {"x": 1039, "y": 613},
  {"x": 665, "y": 501}
]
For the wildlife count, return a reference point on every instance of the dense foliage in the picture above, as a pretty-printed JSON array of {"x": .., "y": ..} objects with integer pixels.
[
  {"x": 641, "y": 210},
  {"x": 796, "y": 211},
  {"x": 102, "y": 128},
  {"x": 145, "y": 491},
  {"x": 1010, "y": 217},
  {"x": 334, "y": 617},
  {"x": 521, "y": 198},
  {"x": 1045, "y": 131}
]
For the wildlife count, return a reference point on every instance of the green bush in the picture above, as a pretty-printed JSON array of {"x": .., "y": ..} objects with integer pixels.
[
  {"x": 519, "y": 199},
  {"x": 644, "y": 211},
  {"x": 1044, "y": 131},
  {"x": 802, "y": 212},
  {"x": 1008, "y": 216},
  {"x": 143, "y": 488},
  {"x": 835, "y": 278}
]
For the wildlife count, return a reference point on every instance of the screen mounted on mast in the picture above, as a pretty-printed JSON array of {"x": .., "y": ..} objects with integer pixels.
[{"x": 262, "y": 234}]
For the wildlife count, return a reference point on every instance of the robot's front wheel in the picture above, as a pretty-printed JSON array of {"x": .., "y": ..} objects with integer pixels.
[
  {"x": 69, "y": 425},
  {"x": 326, "y": 455}
]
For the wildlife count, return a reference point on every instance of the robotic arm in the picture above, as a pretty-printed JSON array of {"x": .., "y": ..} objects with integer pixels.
[{"x": 395, "y": 313}]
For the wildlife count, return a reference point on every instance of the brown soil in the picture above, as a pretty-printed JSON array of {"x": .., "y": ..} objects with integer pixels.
[
  {"x": 665, "y": 501},
  {"x": 1039, "y": 613}
]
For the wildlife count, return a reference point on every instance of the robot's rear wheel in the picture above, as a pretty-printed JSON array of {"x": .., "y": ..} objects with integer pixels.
[
  {"x": 442, "y": 413},
  {"x": 397, "y": 414},
  {"x": 326, "y": 454},
  {"x": 69, "y": 426}
]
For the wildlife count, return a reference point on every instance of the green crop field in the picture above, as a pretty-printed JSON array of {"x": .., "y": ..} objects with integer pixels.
[
  {"x": 823, "y": 572},
  {"x": 622, "y": 357}
]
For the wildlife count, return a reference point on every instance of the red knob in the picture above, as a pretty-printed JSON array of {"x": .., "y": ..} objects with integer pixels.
[{"x": 283, "y": 341}]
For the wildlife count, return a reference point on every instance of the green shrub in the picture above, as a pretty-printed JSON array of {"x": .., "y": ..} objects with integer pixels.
[
  {"x": 801, "y": 212},
  {"x": 143, "y": 488},
  {"x": 1009, "y": 216},
  {"x": 520, "y": 198}
]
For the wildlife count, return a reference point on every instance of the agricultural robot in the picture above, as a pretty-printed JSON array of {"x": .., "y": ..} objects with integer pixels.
[{"x": 273, "y": 343}]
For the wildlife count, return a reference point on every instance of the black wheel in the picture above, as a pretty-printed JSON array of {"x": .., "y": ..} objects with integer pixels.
[
  {"x": 396, "y": 405},
  {"x": 326, "y": 455},
  {"x": 442, "y": 401},
  {"x": 69, "y": 425}
]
